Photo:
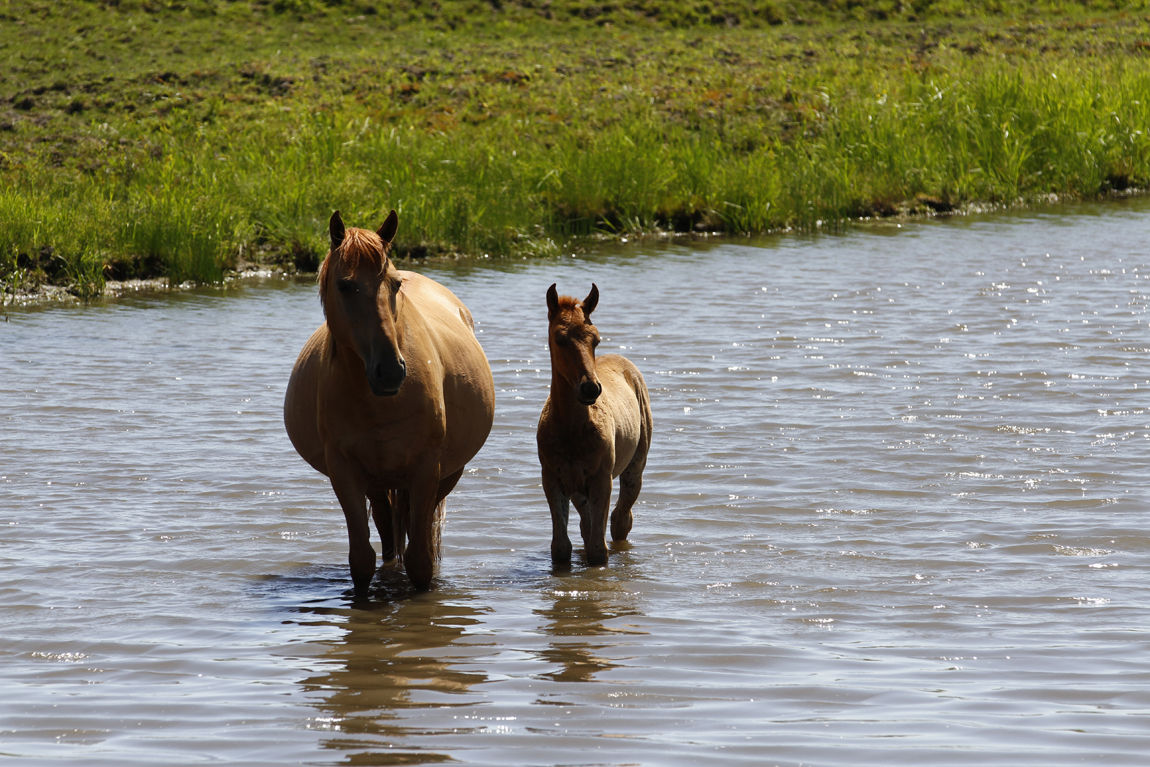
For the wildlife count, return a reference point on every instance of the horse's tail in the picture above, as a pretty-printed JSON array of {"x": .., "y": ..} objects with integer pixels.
[{"x": 437, "y": 525}]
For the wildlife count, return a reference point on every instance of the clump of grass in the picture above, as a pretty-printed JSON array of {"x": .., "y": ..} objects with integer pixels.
[{"x": 515, "y": 127}]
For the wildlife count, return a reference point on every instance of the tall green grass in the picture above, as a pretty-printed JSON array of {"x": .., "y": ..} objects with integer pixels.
[{"x": 514, "y": 156}]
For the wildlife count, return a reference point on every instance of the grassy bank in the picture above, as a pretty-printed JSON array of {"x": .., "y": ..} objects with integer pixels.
[{"x": 184, "y": 139}]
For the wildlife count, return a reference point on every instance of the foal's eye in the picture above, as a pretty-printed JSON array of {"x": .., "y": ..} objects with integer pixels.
[
  {"x": 594, "y": 341},
  {"x": 347, "y": 287}
]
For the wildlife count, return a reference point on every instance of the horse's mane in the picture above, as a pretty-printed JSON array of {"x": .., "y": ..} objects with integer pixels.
[{"x": 358, "y": 246}]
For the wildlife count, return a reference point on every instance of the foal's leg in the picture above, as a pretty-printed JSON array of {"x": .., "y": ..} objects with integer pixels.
[
  {"x": 631, "y": 480},
  {"x": 630, "y": 483},
  {"x": 593, "y": 518},
  {"x": 560, "y": 506}
]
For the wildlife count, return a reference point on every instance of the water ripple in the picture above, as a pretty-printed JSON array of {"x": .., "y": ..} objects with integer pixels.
[{"x": 893, "y": 514}]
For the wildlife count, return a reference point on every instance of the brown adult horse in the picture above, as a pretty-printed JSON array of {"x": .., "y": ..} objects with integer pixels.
[
  {"x": 595, "y": 426},
  {"x": 389, "y": 398}
]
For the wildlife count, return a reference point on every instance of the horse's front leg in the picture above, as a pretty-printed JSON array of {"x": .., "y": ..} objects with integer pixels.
[
  {"x": 353, "y": 500},
  {"x": 560, "y": 505},
  {"x": 593, "y": 518},
  {"x": 423, "y": 529}
]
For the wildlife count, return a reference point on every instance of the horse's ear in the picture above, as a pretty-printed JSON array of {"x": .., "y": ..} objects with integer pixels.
[
  {"x": 591, "y": 301},
  {"x": 386, "y": 232},
  {"x": 552, "y": 300},
  {"x": 335, "y": 229}
]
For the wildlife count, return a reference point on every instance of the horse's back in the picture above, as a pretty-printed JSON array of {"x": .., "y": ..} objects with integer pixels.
[
  {"x": 301, "y": 401},
  {"x": 468, "y": 386},
  {"x": 436, "y": 300}
]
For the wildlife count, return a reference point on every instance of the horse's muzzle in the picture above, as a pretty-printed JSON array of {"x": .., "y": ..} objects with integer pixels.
[
  {"x": 385, "y": 377},
  {"x": 589, "y": 391}
]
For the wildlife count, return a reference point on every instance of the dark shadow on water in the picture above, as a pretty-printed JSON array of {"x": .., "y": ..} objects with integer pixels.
[
  {"x": 316, "y": 584},
  {"x": 319, "y": 584}
]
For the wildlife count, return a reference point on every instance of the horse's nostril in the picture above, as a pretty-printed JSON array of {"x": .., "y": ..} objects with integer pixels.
[{"x": 386, "y": 375}]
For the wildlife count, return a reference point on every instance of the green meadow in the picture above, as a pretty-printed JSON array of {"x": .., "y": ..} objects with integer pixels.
[{"x": 185, "y": 140}]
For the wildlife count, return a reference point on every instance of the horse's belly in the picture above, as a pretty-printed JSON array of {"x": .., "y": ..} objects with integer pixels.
[
  {"x": 469, "y": 409},
  {"x": 300, "y": 405},
  {"x": 405, "y": 437}
]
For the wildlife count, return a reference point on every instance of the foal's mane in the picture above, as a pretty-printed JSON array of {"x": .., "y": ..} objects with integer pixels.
[
  {"x": 566, "y": 303},
  {"x": 358, "y": 246}
]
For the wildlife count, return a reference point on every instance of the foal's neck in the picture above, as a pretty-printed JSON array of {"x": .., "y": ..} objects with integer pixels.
[{"x": 564, "y": 406}]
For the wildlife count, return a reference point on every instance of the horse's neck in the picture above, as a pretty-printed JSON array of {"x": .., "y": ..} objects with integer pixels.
[
  {"x": 344, "y": 355},
  {"x": 409, "y": 319}
]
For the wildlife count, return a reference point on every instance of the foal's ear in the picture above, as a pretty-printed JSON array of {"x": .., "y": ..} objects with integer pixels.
[
  {"x": 386, "y": 232},
  {"x": 552, "y": 300},
  {"x": 591, "y": 301},
  {"x": 335, "y": 229}
]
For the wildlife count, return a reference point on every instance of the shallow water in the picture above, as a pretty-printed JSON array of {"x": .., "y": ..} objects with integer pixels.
[{"x": 895, "y": 513}]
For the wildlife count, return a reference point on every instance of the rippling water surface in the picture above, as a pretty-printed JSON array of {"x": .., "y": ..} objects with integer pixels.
[{"x": 895, "y": 513}]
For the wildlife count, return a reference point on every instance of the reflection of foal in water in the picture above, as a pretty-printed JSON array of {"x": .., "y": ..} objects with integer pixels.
[{"x": 595, "y": 426}]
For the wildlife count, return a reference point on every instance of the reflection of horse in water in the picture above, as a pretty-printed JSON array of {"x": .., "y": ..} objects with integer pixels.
[
  {"x": 390, "y": 657},
  {"x": 595, "y": 426},
  {"x": 414, "y": 677},
  {"x": 390, "y": 398}
]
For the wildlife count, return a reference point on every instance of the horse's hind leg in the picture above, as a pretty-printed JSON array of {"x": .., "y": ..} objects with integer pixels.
[
  {"x": 446, "y": 485},
  {"x": 400, "y": 508},
  {"x": 385, "y": 513}
]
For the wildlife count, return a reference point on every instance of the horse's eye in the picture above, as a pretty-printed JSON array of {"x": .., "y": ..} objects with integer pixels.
[
  {"x": 594, "y": 341},
  {"x": 347, "y": 287},
  {"x": 562, "y": 340}
]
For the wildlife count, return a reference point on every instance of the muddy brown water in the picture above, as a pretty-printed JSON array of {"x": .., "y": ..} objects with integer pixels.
[{"x": 897, "y": 512}]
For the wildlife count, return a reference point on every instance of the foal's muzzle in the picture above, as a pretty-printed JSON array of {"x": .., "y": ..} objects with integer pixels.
[{"x": 589, "y": 391}]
